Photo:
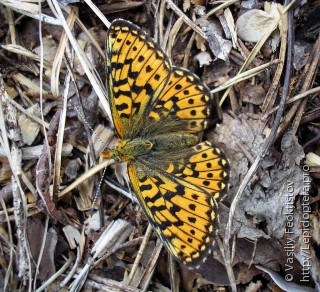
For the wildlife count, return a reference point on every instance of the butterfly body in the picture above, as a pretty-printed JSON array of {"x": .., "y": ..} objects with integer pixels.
[
  {"x": 151, "y": 146},
  {"x": 158, "y": 111}
]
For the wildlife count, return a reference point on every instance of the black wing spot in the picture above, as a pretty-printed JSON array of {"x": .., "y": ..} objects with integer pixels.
[
  {"x": 206, "y": 183},
  {"x": 204, "y": 155},
  {"x": 146, "y": 187},
  {"x": 192, "y": 207},
  {"x": 178, "y": 87},
  {"x": 193, "y": 112},
  {"x": 157, "y": 77},
  {"x": 136, "y": 89},
  {"x": 192, "y": 219},
  {"x": 128, "y": 43},
  {"x": 180, "y": 190},
  {"x": 116, "y": 65},
  {"x": 148, "y": 69},
  {"x": 190, "y": 240},
  {"x": 186, "y": 92},
  {"x": 195, "y": 197},
  {"x": 164, "y": 225},
  {"x": 121, "y": 107},
  {"x": 125, "y": 116},
  {"x": 191, "y": 101},
  {"x": 140, "y": 59},
  {"x": 210, "y": 175},
  {"x": 133, "y": 75},
  {"x": 193, "y": 124},
  {"x": 168, "y": 196},
  {"x": 192, "y": 231},
  {"x": 136, "y": 106},
  {"x": 149, "y": 89},
  {"x": 134, "y": 48},
  {"x": 209, "y": 164},
  {"x": 119, "y": 40},
  {"x": 175, "y": 209},
  {"x": 153, "y": 199},
  {"x": 128, "y": 61}
]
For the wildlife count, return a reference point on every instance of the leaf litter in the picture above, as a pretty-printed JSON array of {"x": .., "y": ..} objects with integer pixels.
[{"x": 47, "y": 230}]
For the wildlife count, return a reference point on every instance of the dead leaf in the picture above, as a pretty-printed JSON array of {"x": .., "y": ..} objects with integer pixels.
[
  {"x": 219, "y": 46},
  {"x": 252, "y": 25},
  {"x": 35, "y": 232},
  {"x": 29, "y": 128},
  {"x": 253, "y": 93}
]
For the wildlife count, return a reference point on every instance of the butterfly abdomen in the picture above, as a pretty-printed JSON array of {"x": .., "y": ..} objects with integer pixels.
[
  {"x": 176, "y": 142},
  {"x": 128, "y": 150}
]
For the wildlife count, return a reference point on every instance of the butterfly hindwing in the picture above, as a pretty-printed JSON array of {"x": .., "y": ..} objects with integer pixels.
[
  {"x": 137, "y": 70},
  {"x": 182, "y": 210},
  {"x": 206, "y": 166}
]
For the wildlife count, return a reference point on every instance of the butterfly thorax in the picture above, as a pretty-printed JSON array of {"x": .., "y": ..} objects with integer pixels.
[{"x": 128, "y": 150}]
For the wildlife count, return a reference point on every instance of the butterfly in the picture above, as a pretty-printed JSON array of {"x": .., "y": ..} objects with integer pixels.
[{"x": 158, "y": 110}]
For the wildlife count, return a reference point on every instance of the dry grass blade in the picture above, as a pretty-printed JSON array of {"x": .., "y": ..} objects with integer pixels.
[
  {"x": 186, "y": 20},
  {"x": 173, "y": 34},
  {"x": 243, "y": 76},
  {"x": 139, "y": 255},
  {"x": 59, "y": 144},
  {"x": 282, "y": 53},
  {"x": 24, "y": 52},
  {"x": 114, "y": 235},
  {"x": 56, "y": 66},
  {"x": 14, "y": 158},
  {"x": 87, "y": 66},
  {"x": 222, "y": 6},
  {"x": 151, "y": 266},
  {"x": 98, "y": 13},
  {"x": 85, "y": 176},
  {"x": 58, "y": 274},
  {"x": 9, "y": 273},
  {"x": 29, "y": 8}
]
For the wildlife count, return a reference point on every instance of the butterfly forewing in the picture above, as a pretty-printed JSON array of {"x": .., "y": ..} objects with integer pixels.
[
  {"x": 184, "y": 98},
  {"x": 137, "y": 71}
]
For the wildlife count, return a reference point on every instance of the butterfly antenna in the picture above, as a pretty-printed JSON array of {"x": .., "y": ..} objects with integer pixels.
[
  {"x": 98, "y": 191},
  {"x": 78, "y": 110}
]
